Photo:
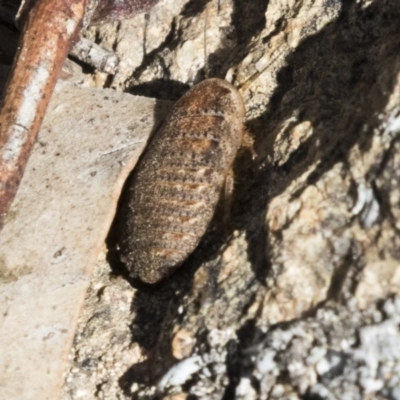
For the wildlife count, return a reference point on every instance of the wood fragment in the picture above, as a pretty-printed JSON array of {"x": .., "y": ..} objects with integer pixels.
[
  {"x": 94, "y": 55},
  {"x": 50, "y": 27}
]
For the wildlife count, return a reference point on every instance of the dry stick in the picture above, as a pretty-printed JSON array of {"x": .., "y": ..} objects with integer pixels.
[
  {"x": 92, "y": 54},
  {"x": 50, "y": 28}
]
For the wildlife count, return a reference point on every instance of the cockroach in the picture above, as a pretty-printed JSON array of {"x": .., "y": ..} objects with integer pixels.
[
  {"x": 174, "y": 190},
  {"x": 177, "y": 184}
]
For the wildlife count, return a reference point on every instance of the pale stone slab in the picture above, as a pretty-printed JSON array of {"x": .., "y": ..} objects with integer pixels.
[{"x": 89, "y": 142}]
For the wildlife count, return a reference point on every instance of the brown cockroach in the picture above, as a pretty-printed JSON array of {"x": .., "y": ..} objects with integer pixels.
[
  {"x": 177, "y": 184},
  {"x": 174, "y": 190}
]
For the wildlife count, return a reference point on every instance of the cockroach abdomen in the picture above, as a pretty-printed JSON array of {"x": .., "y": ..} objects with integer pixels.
[{"x": 175, "y": 187}]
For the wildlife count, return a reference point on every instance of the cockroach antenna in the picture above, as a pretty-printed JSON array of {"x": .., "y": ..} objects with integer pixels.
[{"x": 205, "y": 43}]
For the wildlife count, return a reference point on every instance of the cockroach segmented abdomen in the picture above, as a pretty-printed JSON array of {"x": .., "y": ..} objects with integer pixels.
[{"x": 176, "y": 186}]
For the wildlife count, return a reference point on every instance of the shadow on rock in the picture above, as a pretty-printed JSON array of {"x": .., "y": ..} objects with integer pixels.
[{"x": 339, "y": 80}]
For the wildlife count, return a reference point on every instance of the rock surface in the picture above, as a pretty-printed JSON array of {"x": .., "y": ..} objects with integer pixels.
[{"x": 297, "y": 297}]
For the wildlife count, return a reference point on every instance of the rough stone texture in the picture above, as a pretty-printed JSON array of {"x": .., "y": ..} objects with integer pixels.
[{"x": 296, "y": 297}]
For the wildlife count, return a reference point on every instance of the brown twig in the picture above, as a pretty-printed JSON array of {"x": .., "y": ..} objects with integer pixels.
[{"x": 50, "y": 28}]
